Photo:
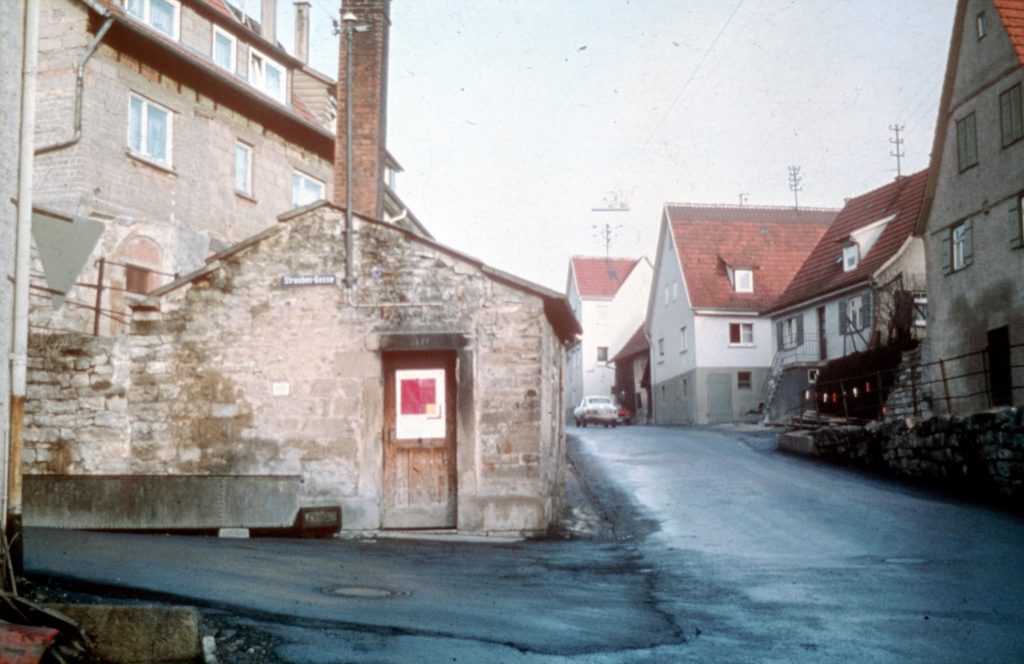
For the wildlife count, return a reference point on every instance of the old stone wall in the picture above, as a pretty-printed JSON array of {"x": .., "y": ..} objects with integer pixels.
[
  {"x": 239, "y": 374},
  {"x": 982, "y": 454}
]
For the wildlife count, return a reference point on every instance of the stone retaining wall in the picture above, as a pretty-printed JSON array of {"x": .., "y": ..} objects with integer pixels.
[{"x": 980, "y": 455}]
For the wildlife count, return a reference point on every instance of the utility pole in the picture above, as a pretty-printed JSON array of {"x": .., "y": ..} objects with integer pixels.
[
  {"x": 898, "y": 142},
  {"x": 795, "y": 185}
]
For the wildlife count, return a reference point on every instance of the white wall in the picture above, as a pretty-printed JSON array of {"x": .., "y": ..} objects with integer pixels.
[
  {"x": 667, "y": 320},
  {"x": 716, "y": 351}
]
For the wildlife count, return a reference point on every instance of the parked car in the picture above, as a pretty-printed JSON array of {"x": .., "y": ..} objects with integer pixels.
[
  {"x": 596, "y": 410},
  {"x": 625, "y": 415}
]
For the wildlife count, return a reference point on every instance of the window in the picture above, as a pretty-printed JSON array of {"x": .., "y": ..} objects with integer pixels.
[
  {"x": 851, "y": 257},
  {"x": 1010, "y": 118},
  {"x": 305, "y": 189},
  {"x": 963, "y": 241},
  {"x": 744, "y": 381},
  {"x": 967, "y": 142},
  {"x": 686, "y": 388},
  {"x": 920, "y": 309},
  {"x": 675, "y": 291},
  {"x": 668, "y": 294},
  {"x": 744, "y": 281},
  {"x": 741, "y": 334},
  {"x": 812, "y": 376},
  {"x": 136, "y": 279},
  {"x": 149, "y": 130},
  {"x": 682, "y": 339},
  {"x": 1017, "y": 221},
  {"x": 162, "y": 15},
  {"x": 981, "y": 25},
  {"x": 267, "y": 76},
  {"x": 855, "y": 313},
  {"x": 790, "y": 332},
  {"x": 661, "y": 348},
  {"x": 243, "y": 169},
  {"x": 602, "y": 353},
  {"x": 223, "y": 49}
]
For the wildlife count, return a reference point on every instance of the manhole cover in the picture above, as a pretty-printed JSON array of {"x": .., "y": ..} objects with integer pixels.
[{"x": 363, "y": 592}]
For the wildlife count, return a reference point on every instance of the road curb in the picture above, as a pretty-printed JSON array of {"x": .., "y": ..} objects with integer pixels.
[{"x": 152, "y": 634}]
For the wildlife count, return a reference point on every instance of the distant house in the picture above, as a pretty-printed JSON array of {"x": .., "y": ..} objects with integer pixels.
[
  {"x": 717, "y": 268},
  {"x": 609, "y": 297},
  {"x": 971, "y": 221},
  {"x": 863, "y": 284},
  {"x": 633, "y": 375}
]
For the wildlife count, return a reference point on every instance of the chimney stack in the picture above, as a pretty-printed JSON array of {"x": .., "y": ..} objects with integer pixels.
[
  {"x": 369, "y": 108},
  {"x": 302, "y": 31},
  {"x": 268, "y": 21}
]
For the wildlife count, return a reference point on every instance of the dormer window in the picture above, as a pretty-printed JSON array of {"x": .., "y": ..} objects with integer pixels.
[
  {"x": 744, "y": 281},
  {"x": 267, "y": 76},
  {"x": 851, "y": 257},
  {"x": 223, "y": 50},
  {"x": 161, "y": 15}
]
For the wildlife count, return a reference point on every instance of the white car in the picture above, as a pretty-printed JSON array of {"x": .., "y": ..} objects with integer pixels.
[{"x": 596, "y": 410}]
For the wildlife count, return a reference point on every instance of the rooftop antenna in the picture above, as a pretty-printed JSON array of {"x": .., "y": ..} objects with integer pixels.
[
  {"x": 898, "y": 142},
  {"x": 795, "y": 185},
  {"x": 607, "y": 232},
  {"x": 613, "y": 202}
]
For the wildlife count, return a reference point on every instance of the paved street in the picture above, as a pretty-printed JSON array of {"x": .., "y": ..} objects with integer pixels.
[{"x": 698, "y": 545}]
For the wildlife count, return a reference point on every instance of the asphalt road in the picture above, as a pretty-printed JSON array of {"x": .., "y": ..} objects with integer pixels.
[{"x": 696, "y": 545}]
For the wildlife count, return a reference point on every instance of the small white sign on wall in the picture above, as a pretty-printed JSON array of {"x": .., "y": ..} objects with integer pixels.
[
  {"x": 420, "y": 403},
  {"x": 280, "y": 389}
]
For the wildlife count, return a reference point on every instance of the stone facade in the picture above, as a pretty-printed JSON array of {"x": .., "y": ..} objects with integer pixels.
[
  {"x": 981, "y": 455},
  {"x": 231, "y": 372}
]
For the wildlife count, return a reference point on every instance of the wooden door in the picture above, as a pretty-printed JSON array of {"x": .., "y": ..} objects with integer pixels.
[
  {"x": 419, "y": 440},
  {"x": 719, "y": 398}
]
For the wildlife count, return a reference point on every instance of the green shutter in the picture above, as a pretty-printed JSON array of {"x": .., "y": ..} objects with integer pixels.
[
  {"x": 968, "y": 242},
  {"x": 778, "y": 335},
  {"x": 947, "y": 254},
  {"x": 800, "y": 330},
  {"x": 865, "y": 311},
  {"x": 842, "y": 316}
]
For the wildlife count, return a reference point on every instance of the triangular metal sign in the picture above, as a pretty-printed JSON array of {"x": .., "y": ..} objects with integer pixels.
[{"x": 64, "y": 244}]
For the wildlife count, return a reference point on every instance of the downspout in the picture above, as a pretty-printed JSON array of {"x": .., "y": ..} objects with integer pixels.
[
  {"x": 22, "y": 265},
  {"x": 80, "y": 80},
  {"x": 349, "y": 21}
]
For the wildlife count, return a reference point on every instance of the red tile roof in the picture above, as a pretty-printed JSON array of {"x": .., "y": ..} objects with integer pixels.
[
  {"x": 773, "y": 242},
  {"x": 600, "y": 277},
  {"x": 1012, "y": 14},
  {"x": 823, "y": 273},
  {"x": 636, "y": 344}
]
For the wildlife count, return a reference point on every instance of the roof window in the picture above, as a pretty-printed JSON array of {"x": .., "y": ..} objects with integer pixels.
[{"x": 161, "y": 15}]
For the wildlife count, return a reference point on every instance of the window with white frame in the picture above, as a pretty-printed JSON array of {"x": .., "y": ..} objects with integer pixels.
[
  {"x": 920, "y": 309},
  {"x": 744, "y": 380},
  {"x": 744, "y": 281},
  {"x": 812, "y": 376},
  {"x": 224, "y": 49},
  {"x": 741, "y": 334},
  {"x": 967, "y": 142},
  {"x": 305, "y": 189},
  {"x": 790, "y": 332},
  {"x": 161, "y": 15},
  {"x": 150, "y": 130},
  {"x": 267, "y": 76},
  {"x": 962, "y": 241},
  {"x": 682, "y": 339},
  {"x": 1011, "y": 118},
  {"x": 243, "y": 168},
  {"x": 1017, "y": 220},
  {"x": 851, "y": 257}
]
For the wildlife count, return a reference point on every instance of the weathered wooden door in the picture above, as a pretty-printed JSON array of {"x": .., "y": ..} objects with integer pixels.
[{"x": 419, "y": 440}]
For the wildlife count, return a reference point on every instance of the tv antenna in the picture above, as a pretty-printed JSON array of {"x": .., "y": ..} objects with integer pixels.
[
  {"x": 795, "y": 185},
  {"x": 898, "y": 142},
  {"x": 613, "y": 202}
]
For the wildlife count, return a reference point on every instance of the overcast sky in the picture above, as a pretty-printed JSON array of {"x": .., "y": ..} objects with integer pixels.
[{"x": 513, "y": 119}]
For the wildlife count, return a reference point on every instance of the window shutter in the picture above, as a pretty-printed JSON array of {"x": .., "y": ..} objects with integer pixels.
[
  {"x": 778, "y": 335},
  {"x": 1016, "y": 229},
  {"x": 968, "y": 242},
  {"x": 800, "y": 330},
  {"x": 842, "y": 316},
  {"x": 865, "y": 311},
  {"x": 947, "y": 257},
  {"x": 1006, "y": 117}
]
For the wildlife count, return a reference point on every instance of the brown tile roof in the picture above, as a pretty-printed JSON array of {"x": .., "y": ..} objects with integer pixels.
[
  {"x": 636, "y": 344},
  {"x": 1012, "y": 14},
  {"x": 823, "y": 273},
  {"x": 601, "y": 277},
  {"x": 772, "y": 241}
]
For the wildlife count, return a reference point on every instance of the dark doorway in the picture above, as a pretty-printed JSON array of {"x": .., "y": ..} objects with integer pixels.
[{"x": 1000, "y": 374}]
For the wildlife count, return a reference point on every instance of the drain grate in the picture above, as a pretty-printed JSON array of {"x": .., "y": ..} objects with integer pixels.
[{"x": 363, "y": 592}]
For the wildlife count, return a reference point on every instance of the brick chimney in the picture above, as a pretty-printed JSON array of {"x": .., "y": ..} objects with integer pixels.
[
  {"x": 369, "y": 108},
  {"x": 302, "y": 31},
  {"x": 268, "y": 21}
]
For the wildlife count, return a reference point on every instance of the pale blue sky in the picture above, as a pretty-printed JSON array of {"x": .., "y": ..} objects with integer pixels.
[{"x": 513, "y": 118}]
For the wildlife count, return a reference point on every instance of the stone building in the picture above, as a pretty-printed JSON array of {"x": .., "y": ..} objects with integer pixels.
[
  {"x": 183, "y": 127},
  {"x": 972, "y": 219},
  {"x": 333, "y": 359}
]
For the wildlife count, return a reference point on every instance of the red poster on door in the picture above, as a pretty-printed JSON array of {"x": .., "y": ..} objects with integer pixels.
[{"x": 419, "y": 396}]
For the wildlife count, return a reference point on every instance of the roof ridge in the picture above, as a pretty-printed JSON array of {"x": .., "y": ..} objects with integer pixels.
[{"x": 728, "y": 206}]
